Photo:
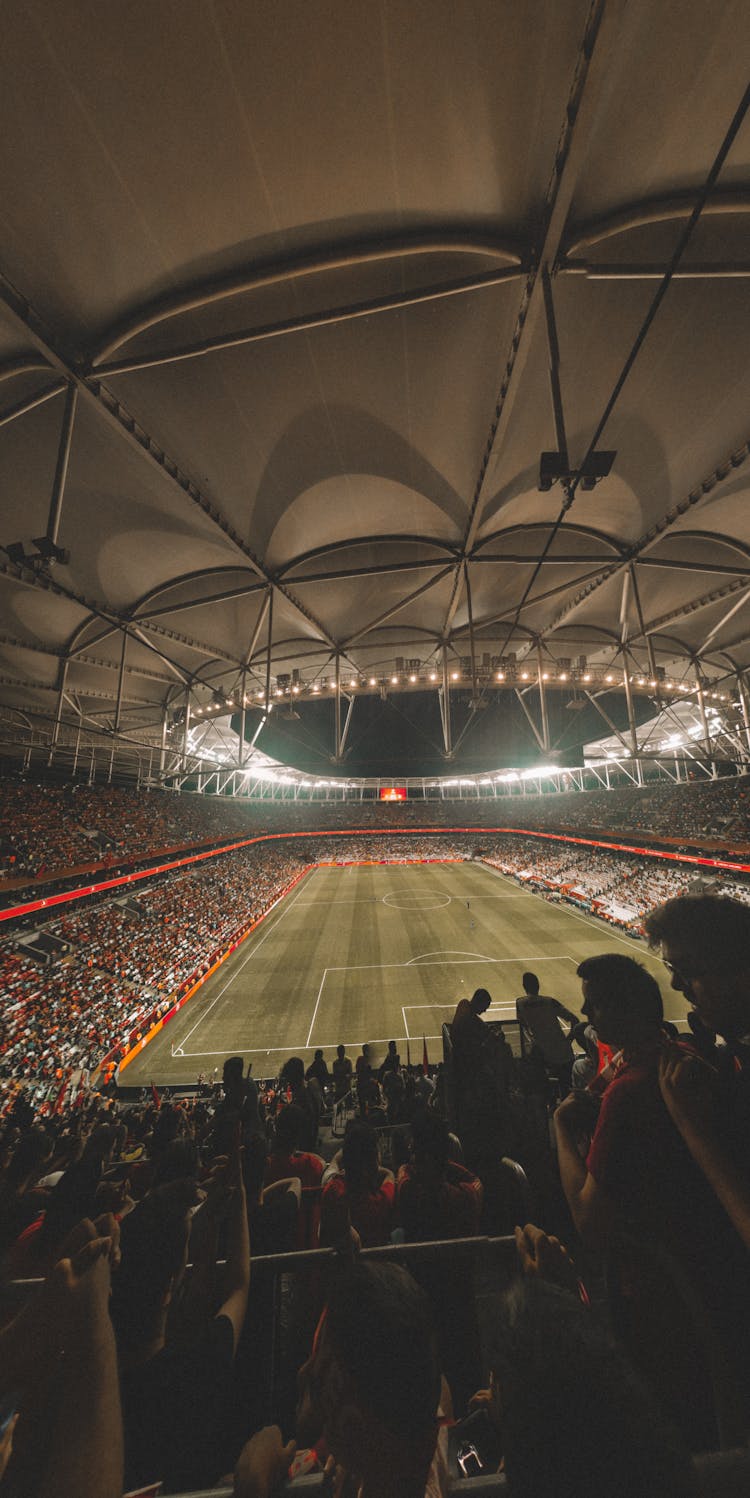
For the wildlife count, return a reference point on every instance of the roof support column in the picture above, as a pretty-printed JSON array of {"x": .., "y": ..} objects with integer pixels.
[
  {"x": 472, "y": 646},
  {"x": 742, "y": 689},
  {"x": 62, "y": 677},
  {"x": 268, "y": 653},
  {"x": 631, "y": 718},
  {"x": 542, "y": 700},
  {"x": 243, "y": 690},
  {"x": 704, "y": 720},
  {"x": 120, "y": 681},
  {"x": 186, "y": 728},
  {"x": 163, "y": 748},
  {"x": 77, "y": 744},
  {"x": 63, "y": 458},
  {"x": 337, "y": 706},
  {"x": 444, "y": 694}
]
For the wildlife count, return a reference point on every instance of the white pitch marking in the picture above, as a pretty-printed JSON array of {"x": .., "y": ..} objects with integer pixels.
[
  {"x": 315, "y": 1010},
  {"x": 494, "y": 1008},
  {"x": 235, "y": 975},
  {"x": 455, "y": 951},
  {"x": 328, "y": 1045},
  {"x": 406, "y": 1026},
  {"x": 469, "y": 962}
]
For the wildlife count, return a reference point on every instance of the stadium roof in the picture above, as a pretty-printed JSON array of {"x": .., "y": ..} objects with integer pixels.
[{"x": 320, "y": 326}]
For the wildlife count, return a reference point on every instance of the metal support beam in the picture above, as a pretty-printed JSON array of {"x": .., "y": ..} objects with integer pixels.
[
  {"x": 542, "y": 699},
  {"x": 243, "y": 691},
  {"x": 696, "y": 495},
  {"x": 397, "y": 607},
  {"x": 61, "y": 468},
  {"x": 269, "y": 648},
  {"x": 605, "y": 715},
  {"x": 602, "y": 37},
  {"x": 445, "y": 706},
  {"x": 745, "y": 706},
  {"x": 472, "y": 647},
  {"x": 532, "y": 724},
  {"x": 62, "y": 676},
  {"x": 112, "y": 411},
  {"x": 631, "y": 573},
  {"x": 347, "y": 721},
  {"x": 337, "y": 704},
  {"x": 163, "y": 746},
  {"x": 30, "y": 403},
  {"x": 704, "y": 715},
  {"x": 186, "y": 729},
  {"x": 120, "y": 682}
]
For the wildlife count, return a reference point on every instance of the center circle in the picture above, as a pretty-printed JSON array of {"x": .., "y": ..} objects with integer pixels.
[{"x": 417, "y": 900}]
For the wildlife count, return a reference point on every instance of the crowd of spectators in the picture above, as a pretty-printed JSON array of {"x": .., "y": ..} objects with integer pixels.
[
  {"x": 126, "y": 1368},
  {"x": 124, "y": 962},
  {"x": 119, "y": 965},
  {"x": 46, "y": 829}
]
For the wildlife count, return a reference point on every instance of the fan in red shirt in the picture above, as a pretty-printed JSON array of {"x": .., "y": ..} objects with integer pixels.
[
  {"x": 361, "y": 1193},
  {"x": 286, "y": 1158},
  {"x": 437, "y": 1198}
]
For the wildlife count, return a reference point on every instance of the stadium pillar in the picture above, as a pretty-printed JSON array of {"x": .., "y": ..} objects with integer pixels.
[
  {"x": 268, "y": 653},
  {"x": 163, "y": 749},
  {"x": 243, "y": 690},
  {"x": 121, "y": 680},
  {"x": 742, "y": 689},
  {"x": 445, "y": 705},
  {"x": 704, "y": 722},
  {"x": 542, "y": 700},
  {"x": 337, "y": 705},
  {"x": 631, "y": 720},
  {"x": 62, "y": 677},
  {"x": 61, "y": 470},
  {"x": 186, "y": 729},
  {"x": 77, "y": 744}
]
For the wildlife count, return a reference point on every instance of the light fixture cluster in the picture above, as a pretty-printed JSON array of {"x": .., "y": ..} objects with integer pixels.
[{"x": 510, "y": 673}]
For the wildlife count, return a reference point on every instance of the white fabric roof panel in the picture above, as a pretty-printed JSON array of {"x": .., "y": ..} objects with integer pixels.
[{"x": 292, "y": 261}]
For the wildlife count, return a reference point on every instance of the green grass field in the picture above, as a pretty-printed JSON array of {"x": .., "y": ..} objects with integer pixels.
[{"x": 378, "y": 952}]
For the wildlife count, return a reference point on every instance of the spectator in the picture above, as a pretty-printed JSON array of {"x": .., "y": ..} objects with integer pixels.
[
  {"x": 57, "y": 1358},
  {"x": 273, "y": 1210},
  {"x": 305, "y": 1097},
  {"x": 363, "y": 1074},
  {"x": 706, "y": 943},
  {"x": 286, "y": 1158},
  {"x": 637, "y": 1173},
  {"x": 569, "y": 1416},
  {"x": 468, "y": 1017},
  {"x": 539, "y": 1017},
  {"x": 174, "y": 1388},
  {"x": 318, "y": 1069},
  {"x": 437, "y": 1198},
  {"x": 357, "y": 1190},
  {"x": 390, "y": 1063},
  {"x": 371, "y": 1387},
  {"x": 342, "y": 1074}
]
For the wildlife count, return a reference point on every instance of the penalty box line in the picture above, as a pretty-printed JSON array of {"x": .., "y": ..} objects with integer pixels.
[{"x": 365, "y": 967}]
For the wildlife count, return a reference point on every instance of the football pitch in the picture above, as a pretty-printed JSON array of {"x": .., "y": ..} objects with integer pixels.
[{"x": 380, "y": 952}]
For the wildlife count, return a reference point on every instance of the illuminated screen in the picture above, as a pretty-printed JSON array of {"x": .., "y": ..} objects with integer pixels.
[{"x": 393, "y": 793}]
